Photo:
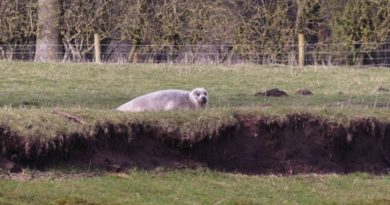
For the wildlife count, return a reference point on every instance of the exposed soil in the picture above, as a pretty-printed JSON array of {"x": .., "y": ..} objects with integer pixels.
[
  {"x": 383, "y": 89},
  {"x": 304, "y": 92},
  {"x": 298, "y": 143},
  {"x": 275, "y": 92},
  {"x": 11, "y": 166}
]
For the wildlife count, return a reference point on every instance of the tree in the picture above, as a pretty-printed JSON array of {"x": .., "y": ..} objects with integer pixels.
[
  {"x": 135, "y": 24},
  {"x": 17, "y": 27},
  {"x": 81, "y": 20},
  {"x": 361, "y": 28},
  {"x": 48, "y": 39}
]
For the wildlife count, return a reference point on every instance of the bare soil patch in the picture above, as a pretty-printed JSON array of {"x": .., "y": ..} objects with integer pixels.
[
  {"x": 10, "y": 166},
  {"x": 275, "y": 92},
  {"x": 304, "y": 92},
  {"x": 297, "y": 143},
  {"x": 383, "y": 89}
]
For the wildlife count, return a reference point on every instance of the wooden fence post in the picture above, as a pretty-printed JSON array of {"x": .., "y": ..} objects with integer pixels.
[
  {"x": 301, "y": 50},
  {"x": 97, "y": 48}
]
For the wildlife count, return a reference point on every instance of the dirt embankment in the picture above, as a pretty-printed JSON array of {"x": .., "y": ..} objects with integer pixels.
[{"x": 298, "y": 143}]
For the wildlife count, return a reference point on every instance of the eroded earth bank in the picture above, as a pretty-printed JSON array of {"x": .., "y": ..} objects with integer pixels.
[{"x": 296, "y": 143}]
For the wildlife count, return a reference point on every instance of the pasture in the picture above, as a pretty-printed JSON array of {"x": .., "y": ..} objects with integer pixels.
[
  {"x": 353, "y": 100},
  {"x": 92, "y": 86}
]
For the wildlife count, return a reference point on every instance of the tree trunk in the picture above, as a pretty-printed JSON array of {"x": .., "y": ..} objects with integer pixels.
[{"x": 48, "y": 40}]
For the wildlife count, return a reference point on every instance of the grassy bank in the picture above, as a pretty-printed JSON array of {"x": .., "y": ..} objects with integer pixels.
[
  {"x": 42, "y": 124},
  {"x": 30, "y": 91}
]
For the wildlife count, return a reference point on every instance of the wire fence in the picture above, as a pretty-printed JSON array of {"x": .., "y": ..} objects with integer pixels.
[{"x": 340, "y": 54}]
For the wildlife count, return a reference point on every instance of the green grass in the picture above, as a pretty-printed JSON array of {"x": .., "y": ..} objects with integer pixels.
[
  {"x": 107, "y": 86},
  {"x": 42, "y": 124},
  {"x": 198, "y": 187},
  {"x": 29, "y": 92}
]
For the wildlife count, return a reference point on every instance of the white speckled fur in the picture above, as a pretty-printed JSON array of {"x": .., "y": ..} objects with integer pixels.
[{"x": 167, "y": 100}]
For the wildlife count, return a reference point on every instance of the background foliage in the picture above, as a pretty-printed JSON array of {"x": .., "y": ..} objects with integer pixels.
[{"x": 267, "y": 28}]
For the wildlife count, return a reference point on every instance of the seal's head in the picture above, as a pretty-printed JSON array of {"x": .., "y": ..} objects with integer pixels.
[{"x": 199, "y": 96}]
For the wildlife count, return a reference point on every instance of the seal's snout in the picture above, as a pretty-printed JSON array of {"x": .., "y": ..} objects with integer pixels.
[{"x": 203, "y": 100}]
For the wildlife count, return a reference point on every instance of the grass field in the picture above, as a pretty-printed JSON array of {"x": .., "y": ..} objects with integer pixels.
[
  {"x": 107, "y": 86},
  {"x": 198, "y": 187},
  {"x": 29, "y": 92}
]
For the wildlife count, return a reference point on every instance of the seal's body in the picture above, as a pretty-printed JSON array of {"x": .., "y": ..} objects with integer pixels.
[{"x": 167, "y": 100}]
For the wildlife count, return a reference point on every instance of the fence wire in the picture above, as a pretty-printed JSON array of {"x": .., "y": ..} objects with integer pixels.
[{"x": 369, "y": 54}]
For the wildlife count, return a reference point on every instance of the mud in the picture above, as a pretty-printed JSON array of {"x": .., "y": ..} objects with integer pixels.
[
  {"x": 383, "y": 89},
  {"x": 304, "y": 92},
  {"x": 275, "y": 92},
  {"x": 298, "y": 143}
]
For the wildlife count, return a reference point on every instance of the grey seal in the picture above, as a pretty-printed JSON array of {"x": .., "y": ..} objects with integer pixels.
[{"x": 171, "y": 99}]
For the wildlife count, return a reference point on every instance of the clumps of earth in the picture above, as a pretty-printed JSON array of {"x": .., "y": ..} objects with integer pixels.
[
  {"x": 304, "y": 92},
  {"x": 383, "y": 89},
  {"x": 276, "y": 92}
]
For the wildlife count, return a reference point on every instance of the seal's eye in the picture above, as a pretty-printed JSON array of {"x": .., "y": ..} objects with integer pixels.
[
  {"x": 205, "y": 93},
  {"x": 197, "y": 94}
]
